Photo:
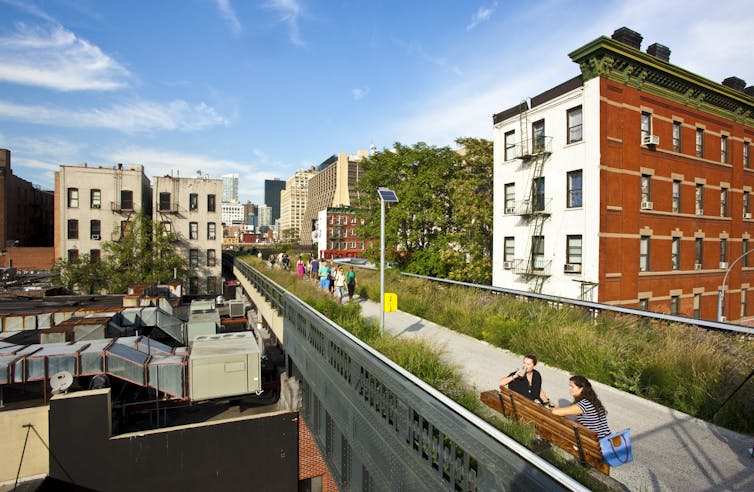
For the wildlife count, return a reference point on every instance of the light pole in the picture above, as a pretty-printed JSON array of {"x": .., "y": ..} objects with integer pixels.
[
  {"x": 721, "y": 294},
  {"x": 386, "y": 196}
]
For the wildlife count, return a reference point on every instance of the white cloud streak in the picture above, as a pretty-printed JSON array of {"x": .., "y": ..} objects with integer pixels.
[
  {"x": 57, "y": 59},
  {"x": 482, "y": 14},
  {"x": 289, "y": 12},
  {"x": 229, "y": 14},
  {"x": 132, "y": 117},
  {"x": 417, "y": 50},
  {"x": 359, "y": 93}
]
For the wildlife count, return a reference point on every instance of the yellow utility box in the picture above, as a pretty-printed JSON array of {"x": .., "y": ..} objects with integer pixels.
[{"x": 391, "y": 302}]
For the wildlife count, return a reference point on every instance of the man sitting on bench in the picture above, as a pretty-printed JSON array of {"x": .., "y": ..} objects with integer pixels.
[{"x": 527, "y": 381}]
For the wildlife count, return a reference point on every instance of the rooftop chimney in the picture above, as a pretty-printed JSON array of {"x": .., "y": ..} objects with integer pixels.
[
  {"x": 659, "y": 51},
  {"x": 735, "y": 83},
  {"x": 629, "y": 37}
]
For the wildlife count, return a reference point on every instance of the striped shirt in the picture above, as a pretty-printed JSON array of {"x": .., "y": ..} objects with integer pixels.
[{"x": 591, "y": 420}]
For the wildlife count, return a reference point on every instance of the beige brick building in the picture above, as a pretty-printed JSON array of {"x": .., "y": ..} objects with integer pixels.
[{"x": 293, "y": 200}]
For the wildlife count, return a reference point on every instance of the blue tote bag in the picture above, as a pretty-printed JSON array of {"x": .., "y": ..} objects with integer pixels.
[{"x": 616, "y": 448}]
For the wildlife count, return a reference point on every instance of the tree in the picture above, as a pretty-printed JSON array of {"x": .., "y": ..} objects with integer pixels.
[{"x": 145, "y": 253}]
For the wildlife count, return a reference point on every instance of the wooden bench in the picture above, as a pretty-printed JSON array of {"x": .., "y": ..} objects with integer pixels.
[{"x": 571, "y": 436}]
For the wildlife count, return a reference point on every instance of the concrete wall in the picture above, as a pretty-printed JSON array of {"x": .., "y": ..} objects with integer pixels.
[
  {"x": 35, "y": 457},
  {"x": 265, "y": 310},
  {"x": 258, "y": 452}
]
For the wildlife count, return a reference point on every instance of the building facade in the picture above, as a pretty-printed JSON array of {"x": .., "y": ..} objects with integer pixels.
[
  {"x": 629, "y": 185},
  {"x": 272, "y": 189},
  {"x": 336, "y": 235},
  {"x": 26, "y": 211},
  {"x": 293, "y": 203},
  {"x": 333, "y": 186},
  {"x": 189, "y": 207},
  {"x": 96, "y": 204},
  {"x": 230, "y": 187},
  {"x": 232, "y": 213}
]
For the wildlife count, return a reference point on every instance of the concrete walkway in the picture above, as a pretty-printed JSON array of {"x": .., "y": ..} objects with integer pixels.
[{"x": 672, "y": 450}]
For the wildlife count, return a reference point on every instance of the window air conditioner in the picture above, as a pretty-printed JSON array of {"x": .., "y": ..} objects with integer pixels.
[
  {"x": 508, "y": 265},
  {"x": 697, "y": 266},
  {"x": 724, "y": 264},
  {"x": 572, "y": 268},
  {"x": 96, "y": 205},
  {"x": 747, "y": 215},
  {"x": 510, "y": 210},
  {"x": 650, "y": 140},
  {"x": 723, "y": 319},
  {"x": 646, "y": 205},
  {"x": 95, "y": 237},
  {"x": 699, "y": 211}
]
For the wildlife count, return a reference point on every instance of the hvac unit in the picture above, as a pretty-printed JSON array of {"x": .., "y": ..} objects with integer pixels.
[
  {"x": 723, "y": 319},
  {"x": 724, "y": 265},
  {"x": 224, "y": 365},
  {"x": 235, "y": 309},
  {"x": 699, "y": 211},
  {"x": 96, "y": 205},
  {"x": 508, "y": 265},
  {"x": 697, "y": 266},
  {"x": 747, "y": 215},
  {"x": 95, "y": 237},
  {"x": 646, "y": 205},
  {"x": 510, "y": 210},
  {"x": 650, "y": 140},
  {"x": 572, "y": 268}
]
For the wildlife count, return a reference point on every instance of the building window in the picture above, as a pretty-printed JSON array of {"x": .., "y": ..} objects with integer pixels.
[
  {"x": 644, "y": 304},
  {"x": 125, "y": 228},
  {"x": 509, "y": 248},
  {"x": 538, "y": 131},
  {"x": 675, "y": 254},
  {"x": 723, "y": 252},
  {"x": 746, "y": 205},
  {"x": 73, "y": 229},
  {"x": 193, "y": 202},
  {"x": 646, "y": 188},
  {"x": 723, "y": 202},
  {"x": 193, "y": 257},
  {"x": 95, "y": 229},
  {"x": 646, "y": 125},
  {"x": 724, "y": 149},
  {"x": 676, "y": 195},
  {"x": 211, "y": 233},
  {"x": 538, "y": 252},
  {"x": 211, "y": 257},
  {"x": 73, "y": 255},
  {"x": 699, "y": 199},
  {"x": 675, "y": 304},
  {"x": 574, "y": 125},
  {"x": 745, "y": 249},
  {"x": 211, "y": 285},
  {"x": 698, "y": 252},
  {"x": 210, "y": 203},
  {"x": 697, "y": 306},
  {"x": 193, "y": 230},
  {"x": 573, "y": 249},
  {"x": 538, "y": 192},
  {"x": 510, "y": 145},
  {"x": 95, "y": 198},
  {"x": 193, "y": 285},
  {"x": 510, "y": 198},
  {"x": 644, "y": 254},
  {"x": 164, "y": 201},
  {"x": 126, "y": 200},
  {"x": 700, "y": 142},
  {"x": 744, "y": 293},
  {"x": 574, "y": 183},
  {"x": 95, "y": 256},
  {"x": 747, "y": 162},
  {"x": 677, "y": 136},
  {"x": 73, "y": 198}
]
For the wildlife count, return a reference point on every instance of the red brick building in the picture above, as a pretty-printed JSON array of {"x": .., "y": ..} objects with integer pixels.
[{"x": 634, "y": 185}]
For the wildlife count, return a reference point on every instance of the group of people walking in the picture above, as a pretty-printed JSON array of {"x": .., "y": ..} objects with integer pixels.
[
  {"x": 336, "y": 279},
  {"x": 586, "y": 406}
]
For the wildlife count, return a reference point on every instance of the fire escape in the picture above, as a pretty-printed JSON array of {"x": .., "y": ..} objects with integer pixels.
[{"x": 534, "y": 210}]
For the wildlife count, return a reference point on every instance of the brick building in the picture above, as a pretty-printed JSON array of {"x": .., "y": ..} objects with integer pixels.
[
  {"x": 336, "y": 234},
  {"x": 629, "y": 184}
]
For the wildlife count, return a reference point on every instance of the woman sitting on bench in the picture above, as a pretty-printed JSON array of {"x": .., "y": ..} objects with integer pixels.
[
  {"x": 586, "y": 406},
  {"x": 527, "y": 381}
]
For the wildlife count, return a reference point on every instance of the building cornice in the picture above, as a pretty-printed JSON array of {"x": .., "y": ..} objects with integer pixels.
[{"x": 617, "y": 61}]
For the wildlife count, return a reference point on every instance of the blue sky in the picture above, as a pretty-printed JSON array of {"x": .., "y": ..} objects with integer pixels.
[{"x": 262, "y": 88}]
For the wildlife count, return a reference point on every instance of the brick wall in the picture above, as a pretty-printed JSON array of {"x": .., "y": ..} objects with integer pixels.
[
  {"x": 28, "y": 258},
  {"x": 310, "y": 462}
]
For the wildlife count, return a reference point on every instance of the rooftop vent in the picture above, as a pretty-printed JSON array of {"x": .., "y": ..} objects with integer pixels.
[
  {"x": 735, "y": 83},
  {"x": 659, "y": 51},
  {"x": 629, "y": 37},
  {"x": 750, "y": 90}
]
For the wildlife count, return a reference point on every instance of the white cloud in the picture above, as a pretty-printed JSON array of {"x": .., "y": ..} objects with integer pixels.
[
  {"x": 57, "y": 59},
  {"x": 289, "y": 12},
  {"x": 132, "y": 117},
  {"x": 359, "y": 93},
  {"x": 481, "y": 15},
  {"x": 229, "y": 14}
]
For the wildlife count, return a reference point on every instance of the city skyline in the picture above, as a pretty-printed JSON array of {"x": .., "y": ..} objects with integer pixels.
[{"x": 261, "y": 89}]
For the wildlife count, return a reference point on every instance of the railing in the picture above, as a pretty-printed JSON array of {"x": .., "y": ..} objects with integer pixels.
[{"x": 381, "y": 428}]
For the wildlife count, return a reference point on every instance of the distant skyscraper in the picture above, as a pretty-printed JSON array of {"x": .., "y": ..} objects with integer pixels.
[
  {"x": 230, "y": 187},
  {"x": 272, "y": 189}
]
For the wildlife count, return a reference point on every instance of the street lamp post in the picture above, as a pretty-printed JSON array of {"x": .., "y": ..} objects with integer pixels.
[
  {"x": 721, "y": 294},
  {"x": 386, "y": 196}
]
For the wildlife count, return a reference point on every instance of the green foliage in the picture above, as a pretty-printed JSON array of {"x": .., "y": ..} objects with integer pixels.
[{"x": 138, "y": 257}]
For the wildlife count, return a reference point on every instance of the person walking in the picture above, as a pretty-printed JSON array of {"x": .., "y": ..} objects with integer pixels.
[
  {"x": 340, "y": 285},
  {"x": 350, "y": 283},
  {"x": 300, "y": 267}
]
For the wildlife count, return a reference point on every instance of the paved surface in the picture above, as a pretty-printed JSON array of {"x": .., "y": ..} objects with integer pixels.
[{"x": 672, "y": 450}]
